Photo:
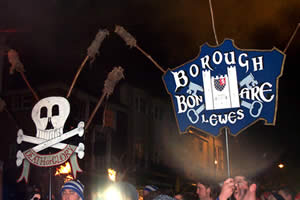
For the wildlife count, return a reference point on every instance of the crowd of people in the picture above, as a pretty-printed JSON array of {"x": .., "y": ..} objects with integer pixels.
[{"x": 237, "y": 188}]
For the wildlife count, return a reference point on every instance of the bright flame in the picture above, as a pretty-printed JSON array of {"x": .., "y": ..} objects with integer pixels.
[
  {"x": 68, "y": 178},
  {"x": 63, "y": 169},
  {"x": 112, "y": 174}
]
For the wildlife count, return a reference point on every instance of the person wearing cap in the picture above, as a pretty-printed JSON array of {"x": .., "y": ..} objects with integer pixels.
[
  {"x": 148, "y": 189},
  {"x": 72, "y": 190}
]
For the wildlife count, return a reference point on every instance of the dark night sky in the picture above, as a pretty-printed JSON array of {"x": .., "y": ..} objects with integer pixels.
[{"x": 52, "y": 38}]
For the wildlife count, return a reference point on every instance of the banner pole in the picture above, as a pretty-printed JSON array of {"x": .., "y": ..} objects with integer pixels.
[
  {"x": 227, "y": 153},
  {"x": 50, "y": 183}
]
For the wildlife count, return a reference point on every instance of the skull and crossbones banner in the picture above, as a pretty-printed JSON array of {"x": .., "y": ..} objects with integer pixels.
[
  {"x": 49, "y": 160},
  {"x": 49, "y": 116}
]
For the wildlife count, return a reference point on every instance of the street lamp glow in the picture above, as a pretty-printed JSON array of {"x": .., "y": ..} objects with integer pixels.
[{"x": 281, "y": 165}]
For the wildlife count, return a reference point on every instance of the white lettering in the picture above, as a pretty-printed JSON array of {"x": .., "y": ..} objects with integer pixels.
[
  {"x": 258, "y": 61},
  {"x": 193, "y": 68},
  {"x": 204, "y": 62},
  {"x": 181, "y": 105},
  {"x": 223, "y": 120},
  {"x": 240, "y": 114},
  {"x": 257, "y": 93},
  {"x": 232, "y": 60},
  {"x": 244, "y": 64},
  {"x": 181, "y": 80},
  {"x": 262, "y": 90},
  {"x": 190, "y": 101},
  {"x": 204, "y": 120},
  {"x": 213, "y": 120},
  {"x": 232, "y": 117},
  {"x": 246, "y": 92},
  {"x": 219, "y": 56}
]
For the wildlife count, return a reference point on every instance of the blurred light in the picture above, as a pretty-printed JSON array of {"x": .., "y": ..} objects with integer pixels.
[
  {"x": 111, "y": 174},
  {"x": 216, "y": 162},
  {"x": 281, "y": 165},
  {"x": 112, "y": 194}
]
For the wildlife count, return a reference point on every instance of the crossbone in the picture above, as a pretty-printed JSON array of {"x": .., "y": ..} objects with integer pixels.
[
  {"x": 34, "y": 140},
  {"x": 55, "y": 142}
]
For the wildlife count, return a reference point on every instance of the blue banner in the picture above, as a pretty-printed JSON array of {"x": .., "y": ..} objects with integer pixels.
[{"x": 225, "y": 87}]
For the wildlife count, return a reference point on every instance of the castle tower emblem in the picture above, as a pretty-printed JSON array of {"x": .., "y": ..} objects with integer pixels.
[{"x": 221, "y": 92}]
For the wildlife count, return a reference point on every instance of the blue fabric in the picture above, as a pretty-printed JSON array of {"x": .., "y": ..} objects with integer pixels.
[{"x": 75, "y": 186}]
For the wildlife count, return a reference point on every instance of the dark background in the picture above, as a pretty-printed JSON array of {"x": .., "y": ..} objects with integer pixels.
[{"x": 52, "y": 38}]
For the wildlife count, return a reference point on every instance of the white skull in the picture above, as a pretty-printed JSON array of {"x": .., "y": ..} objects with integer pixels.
[{"x": 49, "y": 116}]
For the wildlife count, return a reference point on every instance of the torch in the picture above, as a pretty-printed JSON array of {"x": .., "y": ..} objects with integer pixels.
[
  {"x": 112, "y": 79},
  {"x": 131, "y": 41},
  {"x": 64, "y": 170},
  {"x": 91, "y": 53},
  {"x": 16, "y": 64}
]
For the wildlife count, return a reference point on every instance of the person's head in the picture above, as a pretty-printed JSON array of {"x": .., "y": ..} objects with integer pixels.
[
  {"x": 297, "y": 196},
  {"x": 185, "y": 196},
  {"x": 275, "y": 196},
  {"x": 148, "y": 189},
  {"x": 72, "y": 190},
  {"x": 265, "y": 195},
  {"x": 35, "y": 196},
  {"x": 178, "y": 197},
  {"x": 286, "y": 193},
  {"x": 241, "y": 187},
  {"x": 203, "y": 190}
]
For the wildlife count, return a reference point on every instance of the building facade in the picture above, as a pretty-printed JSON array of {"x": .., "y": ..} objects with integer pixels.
[{"x": 133, "y": 132}]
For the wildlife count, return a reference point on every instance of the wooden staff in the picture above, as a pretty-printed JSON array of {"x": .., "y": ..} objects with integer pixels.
[
  {"x": 17, "y": 65},
  {"x": 131, "y": 41},
  {"x": 225, "y": 129},
  {"x": 91, "y": 53},
  {"x": 291, "y": 39},
  {"x": 213, "y": 22},
  {"x": 113, "y": 78}
]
